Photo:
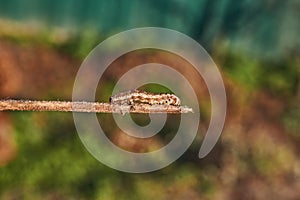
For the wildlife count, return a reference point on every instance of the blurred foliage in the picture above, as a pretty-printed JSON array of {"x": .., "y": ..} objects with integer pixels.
[
  {"x": 81, "y": 44},
  {"x": 254, "y": 43},
  {"x": 279, "y": 77},
  {"x": 50, "y": 158},
  {"x": 291, "y": 120},
  {"x": 53, "y": 163},
  {"x": 75, "y": 43}
]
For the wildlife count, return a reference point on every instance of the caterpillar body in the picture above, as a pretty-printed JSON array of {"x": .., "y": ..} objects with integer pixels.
[{"x": 132, "y": 97}]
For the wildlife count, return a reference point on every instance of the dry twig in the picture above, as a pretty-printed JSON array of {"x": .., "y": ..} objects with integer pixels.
[{"x": 94, "y": 107}]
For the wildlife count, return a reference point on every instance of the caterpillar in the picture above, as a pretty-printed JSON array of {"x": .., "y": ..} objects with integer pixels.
[{"x": 132, "y": 97}]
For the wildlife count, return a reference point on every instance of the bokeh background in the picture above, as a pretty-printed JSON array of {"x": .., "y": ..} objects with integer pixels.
[{"x": 256, "y": 46}]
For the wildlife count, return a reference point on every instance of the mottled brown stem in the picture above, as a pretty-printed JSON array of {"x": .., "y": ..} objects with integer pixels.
[{"x": 94, "y": 107}]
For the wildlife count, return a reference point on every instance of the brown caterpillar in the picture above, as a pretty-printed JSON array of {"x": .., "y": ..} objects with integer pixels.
[{"x": 132, "y": 97}]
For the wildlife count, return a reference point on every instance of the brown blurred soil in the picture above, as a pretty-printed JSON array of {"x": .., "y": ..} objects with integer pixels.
[{"x": 30, "y": 72}]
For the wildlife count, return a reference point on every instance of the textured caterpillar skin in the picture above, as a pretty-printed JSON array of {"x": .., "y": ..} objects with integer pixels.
[{"x": 132, "y": 97}]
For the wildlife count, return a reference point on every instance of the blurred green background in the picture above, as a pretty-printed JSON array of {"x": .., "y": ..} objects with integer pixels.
[{"x": 256, "y": 46}]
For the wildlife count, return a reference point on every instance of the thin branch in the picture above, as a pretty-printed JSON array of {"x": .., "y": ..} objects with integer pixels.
[{"x": 94, "y": 107}]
